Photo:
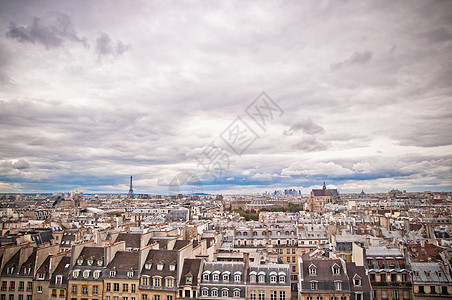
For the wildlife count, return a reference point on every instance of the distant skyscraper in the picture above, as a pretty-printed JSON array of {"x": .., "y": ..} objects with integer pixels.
[{"x": 131, "y": 195}]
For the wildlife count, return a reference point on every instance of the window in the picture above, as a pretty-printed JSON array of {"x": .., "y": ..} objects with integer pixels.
[
  {"x": 96, "y": 274},
  {"x": 237, "y": 277},
  {"x": 273, "y": 295},
  {"x": 395, "y": 294},
  {"x": 86, "y": 273},
  {"x": 293, "y": 250},
  {"x": 62, "y": 294},
  {"x": 169, "y": 297},
  {"x": 21, "y": 297},
  {"x": 252, "y": 295},
  {"x": 144, "y": 297},
  {"x": 79, "y": 261},
  {"x": 169, "y": 282},
  {"x": 157, "y": 282},
  {"x": 95, "y": 290},
  {"x": 214, "y": 293},
  {"x": 74, "y": 289},
  {"x": 282, "y": 278},
  {"x": 404, "y": 277},
  {"x": 157, "y": 297},
  {"x": 39, "y": 289},
  {"x": 29, "y": 286},
  {"x": 338, "y": 285},
  {"x": 125, "y": 298},
  {"x": 11, "y": 297},
  {"x": 288, "y": 259},
  {"x": 144, "y": 281},
  {"x": 336, "y": 270},
  {"x": 432, "y": 289},
  {"x": 294, "y": 269},
  {"x": 41, "y": 276},
  {"x": 148, "y": 266},
  {"x": 383, "y": 277},
  {"x": 133, "y": 287},
  {"x": 253, "y": 278},
  {"x": 21, "y": 285},
  {"x": 261, "y": 295},
  {"x": 215, "y": 277},
  {"x": 12, "y": 285},
  {"x": 112, "y": 273},
  {"x": 4, "y": 285},
  {"x": 115, "y": 287},
  {"x": 273, "y": 279},
  {"x": 85, "y": 290},
  {"x": 225, "y": 277},
  {"x": 358, "y": 296},
  {"x": 261, "y": 278},
  {"x": 224, "y": 293},
  {"x": 125, "y": 287},
  {"x": 159, "y": 267},
  {"x": 282, "y": 295},
  {"x": 115, "y": 297},
  {"x": 288, "y": 251},
  {"x": 236, "y": 294},
  {"x": 205, "y": 276},
  {"x": 293, "y": 259},
  {"x": 314, "y": 285},
  {"x": 187, "y": 293},
  {"x": 357, "y": 282},
  {"x": 59, "y": 279},
  {"x": 204, "y": 292},
  {"x": 172, "y": 267},
  {"x": 108, "y": 286},
  {"x": 312, "y": 270},
  {"x": 130, "y": 274},
  {"x": 76, "y": 273},
  {"x": 393, "y": 277}
]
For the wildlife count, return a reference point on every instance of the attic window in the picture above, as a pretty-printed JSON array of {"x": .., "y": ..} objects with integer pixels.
[
  {"x": 80, "y": 261},
  {"x": 41, "y": 276},
  {"x": 96, "y": 274},
  {"x": 159, "y": 267},
  {"x": 76, "y": 273},
  {"x": 130, "y": 274},
  {"x": 59, "y": 279},
  {"x": 312, "y": 270},
  {"x": 112, "y": 273},
  {"x": 10, "y": 270},
  {"x": 86, "y": 273},
  {"x": 189, "y": 279},
  {"x": 148, "y": 266},
  {"x": 100, "y": 262},
  {"x": 357, "y": 282},
  {"x": 336, "y": 270},
  {"x": 89, "y": 262},
  {"x": 172, "y": 267}
]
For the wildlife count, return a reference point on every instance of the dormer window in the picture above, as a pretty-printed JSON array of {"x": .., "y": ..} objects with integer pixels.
[
  {"x": 273, "y": 279},
  {"x": 312, "y": 270},
  {"x": 357, "y": 281},
  {"x": 86, "y": 273},
  {"x": 237, "y": 277},
  {"x": 112, "y": 273},
  {"x": 189, "y": 279},
  {"x": 130, "y": 274},
  {"x": 205, "y": 276},
  {"x": 336, "y": 270},
  {"x": 96, "y": 274},
  {"x": 89, "y": 262},
  {"x": 148, "y": 266},
  {"x": 261, "y": 278},
  {"x": 215, "y": 277},
  {"x": 41, "y": 276},
  {"x": 282, "y": 278},
  {"x": 172, "y": 267},
  {"x": 75, "y": 273},
  {"x": 226, "y": 277},
  {"x": 100, "y": 262},
  {"x": 80, "y": 261},
  {"x": 159, "y": 267},
  {"x": 59, "y": 279},
  {"x": 10, "y": 270}
]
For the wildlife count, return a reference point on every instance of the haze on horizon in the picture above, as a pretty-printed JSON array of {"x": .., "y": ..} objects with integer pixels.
[{"x": 95, "y": 91}]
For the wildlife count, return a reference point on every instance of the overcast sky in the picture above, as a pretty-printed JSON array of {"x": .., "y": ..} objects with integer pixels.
[{"x": 358, "y": 95}]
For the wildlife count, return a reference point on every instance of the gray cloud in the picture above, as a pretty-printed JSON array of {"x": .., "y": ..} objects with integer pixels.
[
  {"x": 358, "y": 58},
  {"x": 58, "y": 29},
  {"x": 305, "y": 125},
  {"x": 19, "y": 165},
  {"x": 105, "y": 46}
]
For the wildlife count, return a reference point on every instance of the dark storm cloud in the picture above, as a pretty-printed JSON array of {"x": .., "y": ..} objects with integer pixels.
[
  {"x": 306, "y": 126},
  {"x": 106, "y": 46},
  {"x": 358, "y": 58},
  {"x": 51, "y": 34}
]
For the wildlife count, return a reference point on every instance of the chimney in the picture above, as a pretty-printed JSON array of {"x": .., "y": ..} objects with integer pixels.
[{"x": 246, "y": 260}]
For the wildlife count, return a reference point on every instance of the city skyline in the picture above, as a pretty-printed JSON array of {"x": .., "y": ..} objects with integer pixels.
[{"x": 95, "y": 92}]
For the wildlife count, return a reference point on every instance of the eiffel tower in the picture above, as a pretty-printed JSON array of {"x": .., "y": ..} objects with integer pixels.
[{"x": 130, "y": 195}]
